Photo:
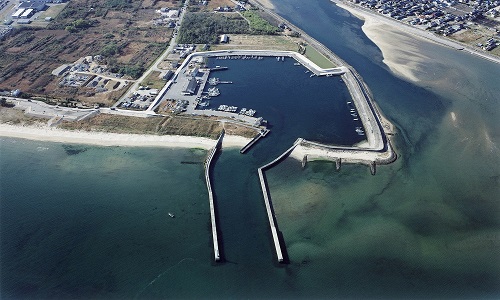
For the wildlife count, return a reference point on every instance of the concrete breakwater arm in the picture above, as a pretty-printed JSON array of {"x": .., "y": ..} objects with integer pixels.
[
  {"x": 259, "y": 135},
  {"x": 208, "y": 163},
  {"x": 267, "y": 200}
]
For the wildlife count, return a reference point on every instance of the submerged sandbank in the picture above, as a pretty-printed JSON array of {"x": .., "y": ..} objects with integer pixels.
[{"x": 50, "y": 134}]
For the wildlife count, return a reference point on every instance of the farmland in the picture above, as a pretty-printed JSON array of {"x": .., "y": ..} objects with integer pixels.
[{"x": 120, "y": 30}]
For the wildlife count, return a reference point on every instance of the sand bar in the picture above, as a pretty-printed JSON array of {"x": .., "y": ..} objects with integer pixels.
[
  {"x": 51, "y": 134},
  {"x": 374, "y": 22}
]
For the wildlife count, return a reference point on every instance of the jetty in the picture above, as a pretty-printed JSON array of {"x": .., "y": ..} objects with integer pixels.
[
  {"x": 259, "y": 135},
  {"x": 208, "y": 164},
  {"x": 267, "y": 200}
]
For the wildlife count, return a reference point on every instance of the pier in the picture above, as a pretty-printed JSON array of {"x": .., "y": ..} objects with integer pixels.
[
  {"x": 267, "y": 200},
  {"x": 208, "y": 163},
  {"x": 261, "y": 134}
]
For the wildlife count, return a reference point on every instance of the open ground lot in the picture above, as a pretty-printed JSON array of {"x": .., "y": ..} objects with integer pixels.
[{"x": 120, "y": 30}]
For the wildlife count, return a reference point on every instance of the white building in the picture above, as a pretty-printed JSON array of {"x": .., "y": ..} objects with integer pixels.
[
  {"x": 27, "y": 13},
  {"x": 173, "y": 13},
  {"x": 18, "y": 13},
  {"x": 224, "y": 39}
]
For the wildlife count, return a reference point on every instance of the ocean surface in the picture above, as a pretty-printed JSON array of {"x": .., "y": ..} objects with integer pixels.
[{"x": 82, "y": 221}]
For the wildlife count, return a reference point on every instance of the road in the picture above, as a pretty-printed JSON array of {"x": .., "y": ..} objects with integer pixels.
[{"x": 154, "y": 65}]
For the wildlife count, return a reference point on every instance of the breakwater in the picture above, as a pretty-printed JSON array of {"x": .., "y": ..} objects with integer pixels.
[
  {"x": 213, "y": 220},
  {"x": 268, "y": 203},
  {"x": 259, "y": 135}
]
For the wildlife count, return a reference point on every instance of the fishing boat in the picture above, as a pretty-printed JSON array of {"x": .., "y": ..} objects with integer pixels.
[{"x": 171, "y": 215}]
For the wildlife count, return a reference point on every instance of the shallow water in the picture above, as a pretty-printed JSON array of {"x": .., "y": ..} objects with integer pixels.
[{"x": 427, "y": 225}]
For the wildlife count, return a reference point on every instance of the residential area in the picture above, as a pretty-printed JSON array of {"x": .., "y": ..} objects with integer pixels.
[{"x": 475, "y": 22}]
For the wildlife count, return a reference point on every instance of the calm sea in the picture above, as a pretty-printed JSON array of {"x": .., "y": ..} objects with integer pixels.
[{"x": 92, "y": 222}]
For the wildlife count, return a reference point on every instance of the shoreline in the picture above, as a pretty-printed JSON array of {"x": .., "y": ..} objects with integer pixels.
[
  {"x": 108, "y": 139},
  {"x": 372, "y": 18}
]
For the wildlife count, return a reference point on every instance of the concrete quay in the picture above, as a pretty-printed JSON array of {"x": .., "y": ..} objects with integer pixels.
[
  {"x": 213, "y": 220},
  {"x": 315, "y": 69}
]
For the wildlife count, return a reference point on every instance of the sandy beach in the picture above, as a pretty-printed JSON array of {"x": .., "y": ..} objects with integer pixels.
[
  {"x": 49, "y": 134},
  {"x": 266, "y": 3}
]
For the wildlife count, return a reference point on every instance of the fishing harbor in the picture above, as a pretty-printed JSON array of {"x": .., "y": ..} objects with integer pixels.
[
  {"x": 204, "y": 86},
  {"x": 195, "y": 87}
]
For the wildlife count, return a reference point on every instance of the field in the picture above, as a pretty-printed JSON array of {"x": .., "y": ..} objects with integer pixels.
[
  {"x": 120, "y": 29},
  {"x": 154, "y": 81},
  {"x": 318, "y": 58},
  {"x": 211, "y": 5},
  {"x": 168, "y": 125},
  {"x": 255, "y": 42}
]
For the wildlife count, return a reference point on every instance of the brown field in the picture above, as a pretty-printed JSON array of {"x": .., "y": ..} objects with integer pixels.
[
  {"x": 114, "y": 123},
  {"x": 28, "y": 56},
  {"x": 154, "y": 81},
  {"x": 195, "y": 6},
  {"x": 17, "y": 117},
  {"x": 244, "y": 131},
  {"x": 268, "y": 42},
  {"x": 169, "y": 125},
  {"x": 157, "y": 4}
]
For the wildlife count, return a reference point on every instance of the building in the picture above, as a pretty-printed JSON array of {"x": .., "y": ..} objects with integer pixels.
[
  {"x": 173, "y": 13},
  {"x": 23, "y": 21},
  {"x": 27, "y": 13},
  {"x": 195, "y": 71},
  {"x": 36, "y": 5},
  {"x": 224, "y": 39},
  {"x": 18, "y": 13},
  {"x": 191, "y": 87},
  {"x": 167, "y": 75}
]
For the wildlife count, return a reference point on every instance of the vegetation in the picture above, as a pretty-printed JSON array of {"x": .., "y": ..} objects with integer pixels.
[
  {"x": 153, "y": 80},
  {"x": 119, "y": 4},
  {"x": 78, "y": 25},
  {"x": 204, "y": 28},
  {"x": 258, "y": 25},
  {"x": 4, "y": 103},
  {"x": 171, "y": 125}
]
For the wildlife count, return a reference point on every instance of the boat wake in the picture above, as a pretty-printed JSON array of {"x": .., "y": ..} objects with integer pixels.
[{"x": 160, "y": 275}]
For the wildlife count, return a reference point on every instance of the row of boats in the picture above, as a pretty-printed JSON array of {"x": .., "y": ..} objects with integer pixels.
[
  {"x": 216, "y": 81},
  {"x": 213, "y": 92},
  {"x": 240, "y": 57},
  {"x": 359, "y": 130},
  {"x": 247, "y": 112},
  {"x": 243, "y": 111},
  {"x": 227, "y": 108}
]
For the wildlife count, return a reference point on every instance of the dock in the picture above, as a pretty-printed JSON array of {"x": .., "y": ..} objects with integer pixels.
[
  {"x": 208, "y": 163},
  {"x": 219, "y": 68},
  {"x": 259, "y": 135},
  {"x": 268, "y": 203}
]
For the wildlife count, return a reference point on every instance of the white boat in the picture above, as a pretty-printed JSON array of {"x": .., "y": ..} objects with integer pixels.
[{"x": 171, "y": 215}]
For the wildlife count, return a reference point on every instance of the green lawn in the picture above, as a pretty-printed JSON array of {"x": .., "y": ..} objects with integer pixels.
[{"x": 318, "y": 58}]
